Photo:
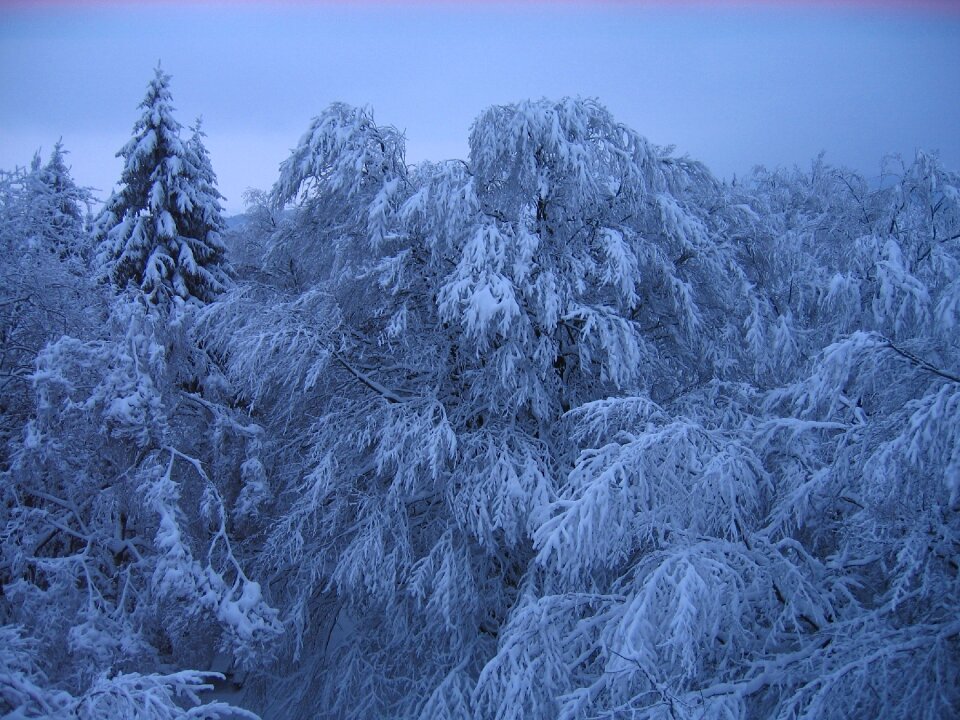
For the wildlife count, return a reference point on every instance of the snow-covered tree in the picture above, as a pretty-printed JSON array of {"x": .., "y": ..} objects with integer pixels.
[
  {"x": 750, "y": 553},
  {"x": 205, "y": 217},
  {"x": 43, "y": 208},
  {"x": 126, "y": 492},
  {"x": 25, "y": 693},
  {"x": 569, "y": 429},
  {"x": 446, "y": 319},
  {"x": 124, "y": 505},
  {"x": 59, "y": 205},
  {"x": 43, "y": 280},
  {"x": 161, "y": 229}
]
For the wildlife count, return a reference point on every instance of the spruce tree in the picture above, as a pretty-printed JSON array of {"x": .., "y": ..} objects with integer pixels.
[
  {"x": 205, "y": 218},
  {"x": 41, "y": 206},
  {"x": 64, "y": 197},
  {"x": 161, "y": 230}
]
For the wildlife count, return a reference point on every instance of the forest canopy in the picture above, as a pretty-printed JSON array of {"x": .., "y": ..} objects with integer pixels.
[{"x": 567, "y": 429}]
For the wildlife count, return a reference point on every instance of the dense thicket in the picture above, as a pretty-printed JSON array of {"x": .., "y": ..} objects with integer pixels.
[{"x": 569, "y": 429}]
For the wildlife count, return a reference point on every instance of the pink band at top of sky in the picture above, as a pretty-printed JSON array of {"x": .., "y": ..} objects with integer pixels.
[{"x": 950, "y": 7}]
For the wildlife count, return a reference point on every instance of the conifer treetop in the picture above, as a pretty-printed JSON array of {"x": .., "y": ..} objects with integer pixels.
[{"x": 161, "y": 230}]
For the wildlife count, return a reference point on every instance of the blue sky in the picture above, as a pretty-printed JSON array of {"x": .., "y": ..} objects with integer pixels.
[{"x": 735, "y": 85}]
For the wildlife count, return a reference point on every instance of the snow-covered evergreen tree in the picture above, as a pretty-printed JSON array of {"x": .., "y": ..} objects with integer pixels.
[
  {"x": 62, "y": 204},
  {"x": 161, "y": 229},
  {"x": 44, "y": 209},
  {"x": 205, "y": 217}
]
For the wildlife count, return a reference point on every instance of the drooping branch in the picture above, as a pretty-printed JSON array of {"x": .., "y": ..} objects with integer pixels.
[
  {"x": 388, "y": 394},
  {"x": 920, "y": 362}
]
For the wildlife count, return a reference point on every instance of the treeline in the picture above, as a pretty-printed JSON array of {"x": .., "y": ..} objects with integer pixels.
[{"x": 570, "y": 429}]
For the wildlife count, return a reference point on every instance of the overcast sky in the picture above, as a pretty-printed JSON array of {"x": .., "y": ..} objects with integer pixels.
[{"x": 732, "y": 84}]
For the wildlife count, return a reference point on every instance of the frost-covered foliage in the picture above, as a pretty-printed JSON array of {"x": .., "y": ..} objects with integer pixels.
[
  {"x": 44, "y": 207},
  {"x": 43, "y": 287},
  {"x": 787, "y": 552},
  {"x": 569, "y": 429},
  {"x": 24, "y": 692},
  {"x": 161, "y": 231},
  {"x": 123, "y": 515},
  {"x": 444, "y": 320}
]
